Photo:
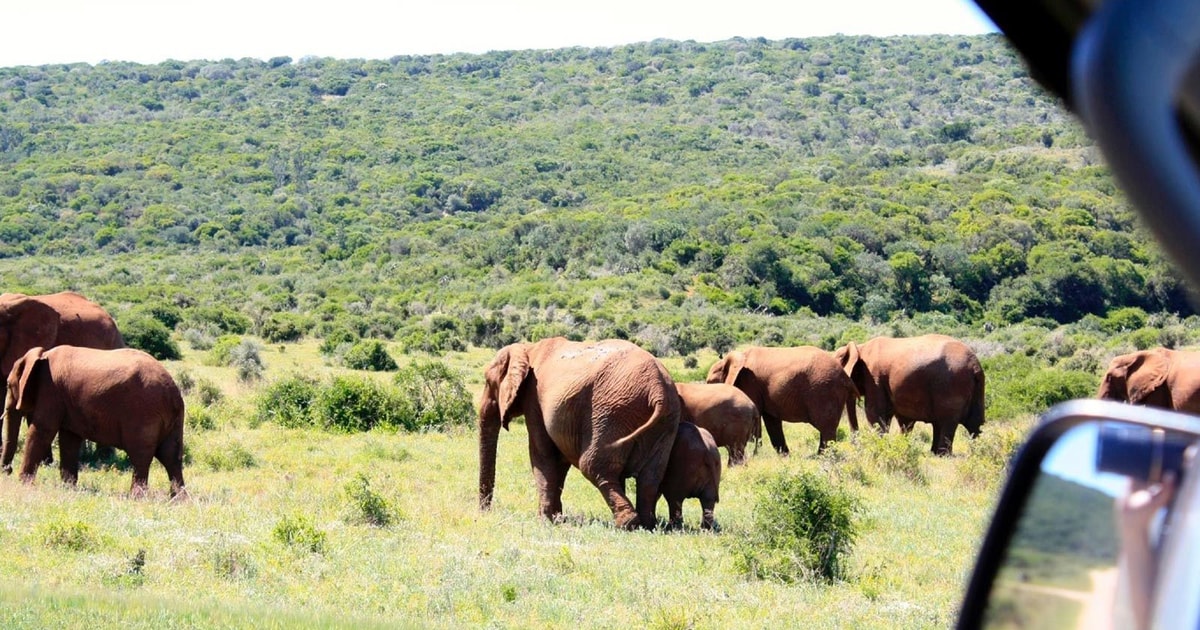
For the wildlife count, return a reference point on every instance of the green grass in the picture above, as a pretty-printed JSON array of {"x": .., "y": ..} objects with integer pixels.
[{"x": 218, "y": 560}]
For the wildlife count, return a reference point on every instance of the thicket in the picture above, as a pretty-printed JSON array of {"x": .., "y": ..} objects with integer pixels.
[{"x": 680, "y": 194}]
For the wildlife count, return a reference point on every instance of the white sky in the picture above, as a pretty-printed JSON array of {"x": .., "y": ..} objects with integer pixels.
[{"x": 40, "y": 32}]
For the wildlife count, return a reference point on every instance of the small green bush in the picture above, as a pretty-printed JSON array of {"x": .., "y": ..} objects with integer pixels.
[
  {"x": 357, "y": 404},
  {"x": 233, "y": 456},
  {"x": 299, "y": 533},
  {"x": 68, "y": 534},
  {"x": 222, "y": 350},
  {"x": 803, "y": 527},
  {"x": 437, "y": 396},
  {"x": 369, "y": 354},
  {"x": 337, "y": 338},
  {"x": 367, "y": 506},
  {"x": 199, "y": 418},
  {"x": 209, "y": 392},
  {"x": 281, "y": 327},
  {"x": 288, "y": 402},
  {"x": 894, "y": 453},
  {"x": 246, "y": 358},
  {"x": 150, "y": 336}
]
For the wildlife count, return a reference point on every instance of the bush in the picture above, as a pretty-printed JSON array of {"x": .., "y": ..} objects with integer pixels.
[
  {"x": 281, "y": 327},
  {"x": 299, "y": 533},
  {"x": 337, "y": 338},
  {"x": 222, "y": 350},
  {"x": 232, "y": 456},
  {"x": 356, "y": 404},
  {"x": 991, "y": 453},
  {"x": 366, "y": 505},
  {"x": 288, "y": 402},
  {"x": 369, "y": 354},
  {"x": 802, "y": 528},
  {"x": 150, "y": 336},
  {"x": 246, "y": 358},
  {"x": 68, "y": 534},
  {"x": 437, "y": 396}
]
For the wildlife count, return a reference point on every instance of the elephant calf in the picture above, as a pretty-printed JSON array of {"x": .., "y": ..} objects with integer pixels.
[
  {"x": 693, "y": 472},
  {"x": 122, "y": 398},
  {"x": 725, "y": 412}
]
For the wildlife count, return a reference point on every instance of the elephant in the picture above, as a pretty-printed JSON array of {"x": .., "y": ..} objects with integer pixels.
[
  {"x": 66, "y": 318},
  {"x": 929, "y": 378},
  {"x": 724, "y": 411},
  {"x": 1161, "y": 377},
  {"x": 28, "y": 321},
  {"x": 609, "y": 408},
  {"x": 799, "y": 384},
  {"x": 693, "y": 472},
  {"x": 122, "y": 398}
]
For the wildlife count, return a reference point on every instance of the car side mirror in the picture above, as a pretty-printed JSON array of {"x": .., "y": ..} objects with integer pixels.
[{"x": 1053, "y": 556}]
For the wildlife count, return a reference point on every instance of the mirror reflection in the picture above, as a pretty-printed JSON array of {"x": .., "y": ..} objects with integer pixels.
[{"x": 1084, "y": 552}]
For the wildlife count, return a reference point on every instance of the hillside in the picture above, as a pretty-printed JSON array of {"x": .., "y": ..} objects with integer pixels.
[{"x": 437, "y": 200}]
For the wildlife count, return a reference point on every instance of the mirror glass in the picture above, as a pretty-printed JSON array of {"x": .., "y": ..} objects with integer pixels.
[{"x": 1064, "y": 566}]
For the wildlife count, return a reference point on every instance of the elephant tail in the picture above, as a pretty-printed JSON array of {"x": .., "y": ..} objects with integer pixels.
[
  {"x": 665, "y": 407},
  {"x": 852, "y": 404}
]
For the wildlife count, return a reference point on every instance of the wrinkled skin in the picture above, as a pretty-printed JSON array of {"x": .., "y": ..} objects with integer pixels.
[
  {"x": 801, "y": 384},
  {"x": 725, "y": 412},
  {"x": 1161, "y": 377},
  {"x": 120, "y": 398},
  {"x": 693, "y": 472},
  {"x": 46, "y": 321},
  {"x": 931, "y": 378},
  {"x": 608, "y": 408}
]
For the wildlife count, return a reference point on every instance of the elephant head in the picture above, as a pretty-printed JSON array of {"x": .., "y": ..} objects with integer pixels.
[
  {"x": 1138, "y": 377},
  {"x": 503, "y": 378},
  {"x": 22, "y": 388},
  {"x": 727, "y": 369},
  {"x": 24, "y": 323}
]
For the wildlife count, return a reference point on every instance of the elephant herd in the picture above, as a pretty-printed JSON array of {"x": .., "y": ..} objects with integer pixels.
[
  {"x": 68, "y": 374},
  {"x": 611, "y": 410},
  {"x": 608, "y": 408}
]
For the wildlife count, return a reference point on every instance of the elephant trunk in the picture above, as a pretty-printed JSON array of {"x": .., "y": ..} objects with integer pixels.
[
  {"x": 489, "y": 435},
  {"x": 12, "y": 427}
]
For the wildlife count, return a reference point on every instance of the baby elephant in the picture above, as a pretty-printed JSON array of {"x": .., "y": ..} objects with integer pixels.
[
  {"x": 122, "y": 398},
  {"x": 726, "y": 412},
  {"x": 693, "y": 472}
]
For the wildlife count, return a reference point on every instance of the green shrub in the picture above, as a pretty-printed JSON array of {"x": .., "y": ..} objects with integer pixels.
[
  {"x": 894, "y": 453},
  {"x": 369, "y": 354},
  {"x": 1019, "y": 384},
  {"x": 437, "y": 396},
  {"x": 288, "y": 402},
  {"x": 367, "y": 506},
  {"x": 222, "y": 350},
  {"x": 802, "y": 527},
  {"x": 209, "y": 392},
  {"x": 150, "y": 336},
  {"x": 1145, "y": 338},
  {"x": 337, "y": 338},
  {"x": 232, "y": 456},
  {"x": 68, "y": 534},
  {"x": 299, "y": 533},
  {"x": 199, "y": 418},
  {"x": 246, "y": 358},
  {"x": 357, "y": 404},
  {"x": 185, "y": 381},
  {"x": 281, "y": 327},
  {"x": 987, "y": 462}
]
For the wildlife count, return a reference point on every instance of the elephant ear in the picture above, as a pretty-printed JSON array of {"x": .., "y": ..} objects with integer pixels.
[
  {"x": 737, "y": 362},
  {"x": 22, "y": 376},
  {"x": 1149, "y": 372},
  {"x": 848, "y": 356},
  {"x": 29, "y": 324},
  {"x": 1114, "y": 387},
  {"x": 506, "y": 374}
]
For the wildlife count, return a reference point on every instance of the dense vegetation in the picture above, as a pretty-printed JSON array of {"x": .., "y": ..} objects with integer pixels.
[{"x": 676, "y": 193}]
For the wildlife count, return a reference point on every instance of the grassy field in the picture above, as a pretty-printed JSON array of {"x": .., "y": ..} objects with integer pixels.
[{"x": 274, "y": 534}]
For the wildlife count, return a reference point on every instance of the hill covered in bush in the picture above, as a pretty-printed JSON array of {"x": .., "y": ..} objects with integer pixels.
[{"x": 683, "y": 194}]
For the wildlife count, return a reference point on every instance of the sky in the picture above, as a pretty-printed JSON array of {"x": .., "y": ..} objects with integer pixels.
[{"x": 39, "y": 32}]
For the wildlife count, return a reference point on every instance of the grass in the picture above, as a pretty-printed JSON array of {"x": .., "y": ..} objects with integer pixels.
[{"x": 90, "y": 556}]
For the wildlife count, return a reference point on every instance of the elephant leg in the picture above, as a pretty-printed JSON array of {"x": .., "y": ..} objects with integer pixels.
[
  {"x": 943, "y": 437},
  {"x": 37, "y": 445},
  {"x": 675, "y": 511},
  {"x": 737, "y": 454},
  {"x": 170, "y": 455},
  {"x": 775, "y": 432},
  {"x": 828, "y": 434},
  {"x": 707, "y": 520},
  {"x": 549, "y": 471},
  {"x": 68, "y": 453},
  {"x": 141, "y": 473}
]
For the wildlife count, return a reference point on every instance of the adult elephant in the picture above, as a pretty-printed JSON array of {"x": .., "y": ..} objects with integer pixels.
[
  {"x": 725, "y": 411},
  {"x": 46, "y": 321},
  {"x": 1161, "y": 377},
  {"x": 930, "y": 378},
  {"x": 800, "y": 384},
  {"x": 121, "y": 398},
  {"x": 608, "y": 408}
]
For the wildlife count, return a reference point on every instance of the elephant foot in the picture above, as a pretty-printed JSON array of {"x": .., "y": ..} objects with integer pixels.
[{"x": 628, "y": 521}]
